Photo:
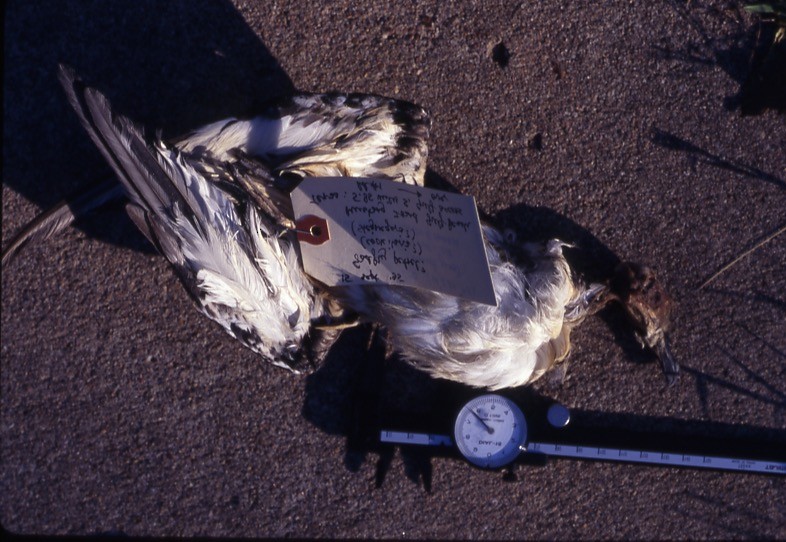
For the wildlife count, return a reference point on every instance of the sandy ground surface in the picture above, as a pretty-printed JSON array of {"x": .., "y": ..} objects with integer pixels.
[{"x": 616, "y": 127}]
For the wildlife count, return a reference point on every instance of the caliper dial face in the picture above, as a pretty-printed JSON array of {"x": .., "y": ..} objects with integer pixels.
[{"x": 490, "y": 431}]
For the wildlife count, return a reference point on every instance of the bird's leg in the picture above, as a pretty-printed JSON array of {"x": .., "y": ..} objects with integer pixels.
[
  {"x": 317, "y": 345},
  {"x": 336, "y": 323},
  {"x": 324, "y": 332},
  {"x": 559, "y": 374},
  {"x": 335, "y": 319},
  {"x": 53, "y": 221},
  {"x": 591, "y": 300}
]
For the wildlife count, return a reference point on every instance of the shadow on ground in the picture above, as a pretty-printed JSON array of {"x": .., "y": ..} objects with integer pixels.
[
  {"x": 173, "y": 66},
  {"x": 362, "y": 388},
  {"x": 746, "y": 52},
  {"x": 695, "y": 154},
  {"x": 358, "y": 393}
]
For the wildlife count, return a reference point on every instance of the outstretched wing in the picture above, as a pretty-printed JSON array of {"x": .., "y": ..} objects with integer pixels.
[
  {"x": 325, "y": 135},
  {"x": 233, "y": 260},
  {"x": 316, "y": 135}
]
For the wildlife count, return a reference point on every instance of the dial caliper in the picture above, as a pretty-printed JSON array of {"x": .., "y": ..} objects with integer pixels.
[{"x": 490, "y": 432}]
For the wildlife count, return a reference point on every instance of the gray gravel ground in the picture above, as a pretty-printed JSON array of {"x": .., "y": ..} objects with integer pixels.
[{"x": 615, "y": 125}]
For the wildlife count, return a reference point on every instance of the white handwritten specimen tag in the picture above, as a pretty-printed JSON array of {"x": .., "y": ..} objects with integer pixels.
[{"x": 357, "y": 230}]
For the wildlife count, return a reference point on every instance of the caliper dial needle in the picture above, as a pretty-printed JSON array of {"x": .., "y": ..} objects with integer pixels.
[{"x": 487, "y": 426}]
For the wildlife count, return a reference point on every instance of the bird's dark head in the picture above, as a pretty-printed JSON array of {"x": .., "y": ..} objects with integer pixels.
[{"x": 649, "y": 307}]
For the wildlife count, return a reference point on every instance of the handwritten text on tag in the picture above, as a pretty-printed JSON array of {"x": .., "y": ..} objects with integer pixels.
[{"x": 386, "y": 232}]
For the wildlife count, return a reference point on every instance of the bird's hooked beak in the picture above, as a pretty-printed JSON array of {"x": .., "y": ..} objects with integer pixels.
[{"x": 649, "y": 307}]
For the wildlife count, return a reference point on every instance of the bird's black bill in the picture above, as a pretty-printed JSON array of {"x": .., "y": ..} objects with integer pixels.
[{"x": 671, "y": 369}]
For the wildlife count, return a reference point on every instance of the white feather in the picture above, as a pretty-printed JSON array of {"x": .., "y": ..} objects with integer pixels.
[
  {"x": 243, "y": 271},
  {"x": 491, "y": 347}
]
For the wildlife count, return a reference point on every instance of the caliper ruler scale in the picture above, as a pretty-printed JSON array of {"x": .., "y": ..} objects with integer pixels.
[{"x": 490, "y": 431}]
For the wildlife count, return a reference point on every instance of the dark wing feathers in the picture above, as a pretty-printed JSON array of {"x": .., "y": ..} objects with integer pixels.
[
  {"x": 225, "y": 251},
  {"x": 95, "y": 115},
  {"x": 147, "y": 181},
  {"x": 325, "y": 135},
  {"x": 207, "y": 201},
  {"x": 342, "y": 134}
]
